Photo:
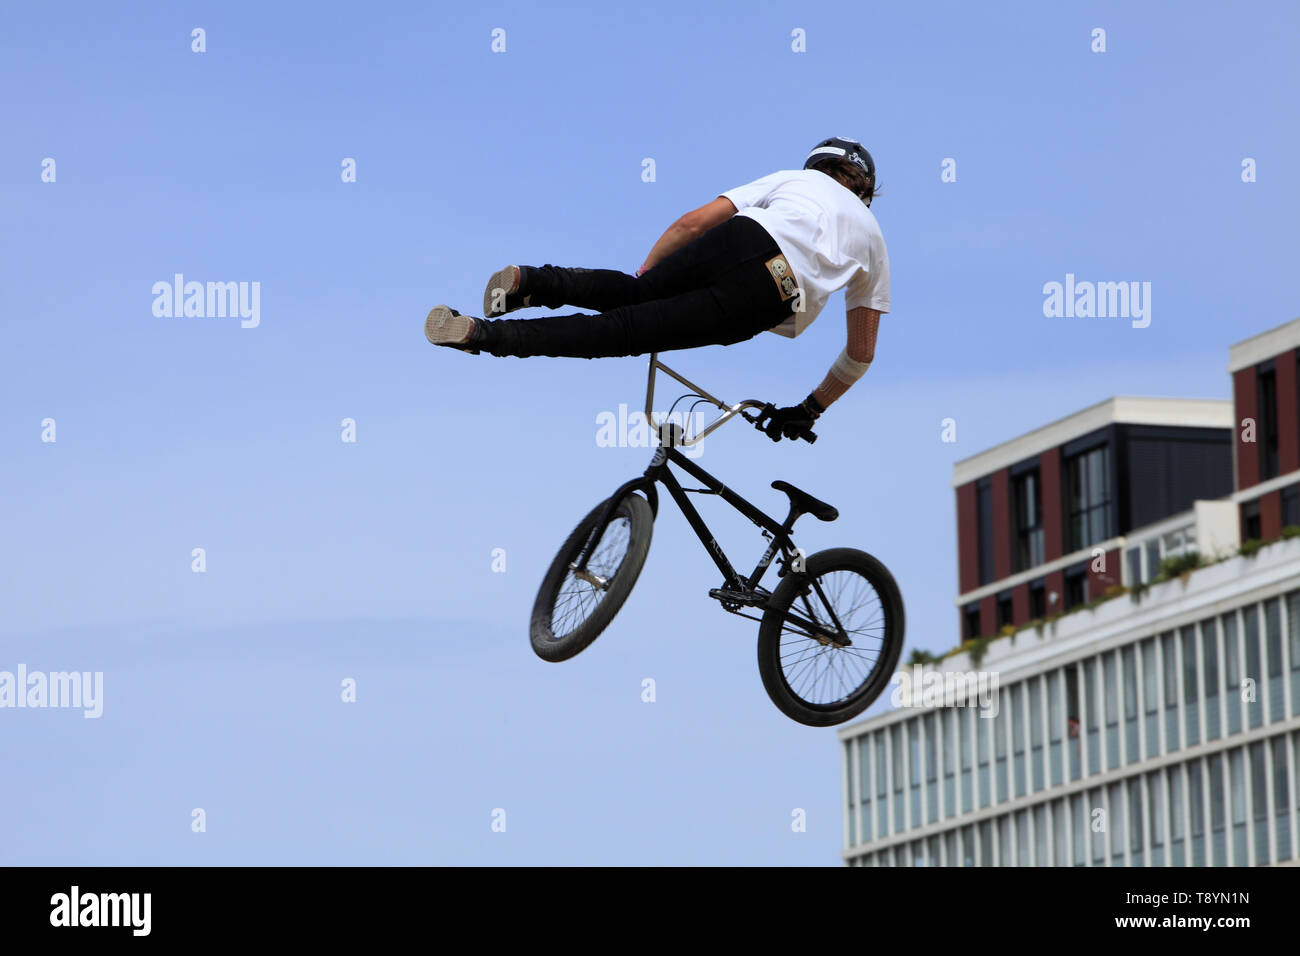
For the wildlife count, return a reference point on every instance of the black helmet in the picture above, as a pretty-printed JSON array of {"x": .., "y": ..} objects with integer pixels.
[{"x": 850, "y": 149}]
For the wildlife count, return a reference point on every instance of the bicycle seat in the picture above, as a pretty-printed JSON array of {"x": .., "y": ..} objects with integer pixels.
[{"x": 807, "y": 503}]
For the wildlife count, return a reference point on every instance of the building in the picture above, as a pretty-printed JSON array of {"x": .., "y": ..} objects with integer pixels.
[{"x": 1130, "y": 593}]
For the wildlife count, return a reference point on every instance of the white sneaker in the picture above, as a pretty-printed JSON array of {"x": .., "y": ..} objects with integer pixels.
[
  {"x": 446, "y": 326},
  {"x": 501, "y": 295}
]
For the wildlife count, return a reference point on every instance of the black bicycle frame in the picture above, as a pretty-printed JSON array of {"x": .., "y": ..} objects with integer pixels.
[{"x": 658, "y": 472}]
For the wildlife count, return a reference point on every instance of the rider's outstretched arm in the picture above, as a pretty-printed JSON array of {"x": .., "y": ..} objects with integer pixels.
[
  {"x": 853, "y": 361},
  {"x": 690, "y": 226}
]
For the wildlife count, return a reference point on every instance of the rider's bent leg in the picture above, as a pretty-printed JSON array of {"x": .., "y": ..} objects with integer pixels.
[
  {"x": 715, "y": 290},
  {"x": 696, "y": 265}
]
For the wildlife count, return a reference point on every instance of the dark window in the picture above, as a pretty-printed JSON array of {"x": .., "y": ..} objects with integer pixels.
[
  {"x": 1266, "y": 421},
  {"x": 1076, "y": 587},
  {"x": 1291, "y": 506},
  {"x": 1006, "y": 614},
  {"x": 1250, "y": 527},
  {"x": 1037, "y": 600},
  {"x": 1088, "y": 497},
  {"x": 984, "y": 516},
  {"x": 972, "y": 616},
  {"x": 1027, "y": 516},
  {"x": 1168, "y": 468}
]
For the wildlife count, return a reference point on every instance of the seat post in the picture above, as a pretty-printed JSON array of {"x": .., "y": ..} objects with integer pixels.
[{"x": 794, "y": 515}]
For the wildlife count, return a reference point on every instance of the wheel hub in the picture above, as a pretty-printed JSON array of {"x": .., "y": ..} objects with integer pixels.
[{"x": 591, "y": 577}]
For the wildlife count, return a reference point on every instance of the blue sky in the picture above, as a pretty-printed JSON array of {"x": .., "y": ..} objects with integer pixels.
[{"x": 372, "y": 560}]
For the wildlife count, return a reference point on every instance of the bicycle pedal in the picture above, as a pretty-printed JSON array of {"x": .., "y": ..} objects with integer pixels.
[{"x": 749, "y": 599}]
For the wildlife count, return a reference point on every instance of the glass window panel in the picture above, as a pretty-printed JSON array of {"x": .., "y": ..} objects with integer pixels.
[
  {"x": 1210, "y": 655},
  {"x": 1218, "y": 813},
  {"x": 1079, "y": 821},
  {"x": 1090, "y": 715},
  {"x": 1040, "y": 835},
  {"x": 949, "y": 723},
  {"x": 1135, "y": 830},
  {"x": 1155, "y": 817},
  {"x": 1250, "y": 632},
  {"x": 1259, "y": 799},
  {"x": 1273, "y": 658},
  {"x": 1231, "y": 672},
  {"x": 1169, "y": 662},
  {"x": 1055, "y": 730},
  {"x": 963, "y": 730},
  {"x": 1196, "y": 824},
  {"x": 1237, "y": 775},
  {"x": 1060, "y": 834},
  {"x": 1281, "y": 798},
  {"x": 1177, "y": 842},
  {"x": 1293, "y": 634},
  {"x": 998, "y": 728},
  {"x": 931, "y": 769},
  {"x": 1191, "y": 713},
  {"x": 983, "y": 728},
  {"x": 1036, "y": 732},
  {"x": 1150, "y": 697},
  {"x": 864, "y": 787},
  {"x": 1095, "y": 804}
]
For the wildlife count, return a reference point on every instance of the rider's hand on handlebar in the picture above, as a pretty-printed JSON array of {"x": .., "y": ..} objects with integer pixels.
[{"x": 793, "y": 422}]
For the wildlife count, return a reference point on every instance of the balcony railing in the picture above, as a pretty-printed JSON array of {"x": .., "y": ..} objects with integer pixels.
[{"x": 1209, "y": 529}]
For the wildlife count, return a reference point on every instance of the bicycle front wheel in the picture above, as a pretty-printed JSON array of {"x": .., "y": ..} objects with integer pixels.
[
  {"x": 831, "y": 637},
  {"x": 571, "y": 610}
]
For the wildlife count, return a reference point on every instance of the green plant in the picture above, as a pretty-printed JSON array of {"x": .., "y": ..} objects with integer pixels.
[
  {"x": 1291, "y": 530},
  {"x": 1178, "y": 566},
  {"x": 977, "y": 647},
  {"x": 1250, "y": 547},
  {"x": 922, "y": 657}
]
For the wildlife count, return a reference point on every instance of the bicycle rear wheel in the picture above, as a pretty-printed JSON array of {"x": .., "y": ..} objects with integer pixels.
[
  {"x": 807, "y": 674},
  {"x": 570, "y": 612}
]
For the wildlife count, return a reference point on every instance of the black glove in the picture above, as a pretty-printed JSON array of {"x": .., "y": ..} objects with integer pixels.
[{"x": 793, "y": 422}]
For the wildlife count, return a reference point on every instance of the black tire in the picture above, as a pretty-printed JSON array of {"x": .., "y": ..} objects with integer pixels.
[
  {"x": 855, "y": 676},
  {"x": 619, "y": 564}
]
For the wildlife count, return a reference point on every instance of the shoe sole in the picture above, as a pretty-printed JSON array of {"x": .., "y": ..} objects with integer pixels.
[
  {"x": 445, "y": 326},
  {"x": 505, "y": 282}
]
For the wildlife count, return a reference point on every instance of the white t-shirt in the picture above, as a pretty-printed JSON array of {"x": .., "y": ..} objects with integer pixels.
[{"x": 827, "y": 234}]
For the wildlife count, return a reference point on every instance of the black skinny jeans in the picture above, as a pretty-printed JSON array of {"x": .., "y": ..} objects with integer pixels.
[{"x": 715, "y": 290}]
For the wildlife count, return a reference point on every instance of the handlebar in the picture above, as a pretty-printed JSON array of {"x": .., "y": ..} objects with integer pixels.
[
  {"x": 809, "y": 436},
  {"x": 728, "y": 411}
]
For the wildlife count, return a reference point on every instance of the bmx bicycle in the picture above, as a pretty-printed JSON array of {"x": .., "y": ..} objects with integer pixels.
[{"x": 831, "y": 631}]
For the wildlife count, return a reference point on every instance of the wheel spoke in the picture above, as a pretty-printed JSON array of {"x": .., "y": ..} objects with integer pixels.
[
  {"x": 576, "y": 600},
  {"x": 820, "y": 673}
]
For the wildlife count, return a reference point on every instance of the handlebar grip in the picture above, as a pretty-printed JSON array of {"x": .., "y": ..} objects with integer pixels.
[{"x": 809, "y": 437}]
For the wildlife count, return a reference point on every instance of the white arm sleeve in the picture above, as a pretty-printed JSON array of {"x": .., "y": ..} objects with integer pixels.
[{"x": 847, "y": 370}]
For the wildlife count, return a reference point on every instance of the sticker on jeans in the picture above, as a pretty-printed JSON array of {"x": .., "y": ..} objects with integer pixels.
[{"x": 783, "y": 276}]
